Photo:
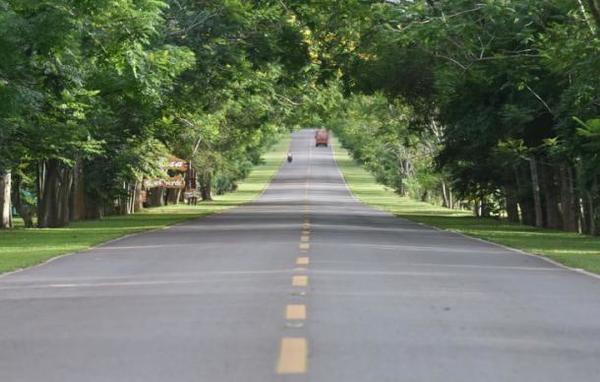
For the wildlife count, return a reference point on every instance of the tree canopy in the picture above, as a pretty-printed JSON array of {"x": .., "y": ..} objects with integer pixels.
[{"x": 492, "y": 105}]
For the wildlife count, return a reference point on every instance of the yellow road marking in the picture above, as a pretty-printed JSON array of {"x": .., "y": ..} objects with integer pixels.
[
  {"x": 305, "y": 238},
  {"x": 301, "y": 281},
  {"x": 306, "y": 225},
  {"x": 292, "y": 356},
  {"x": 295, "y": 312},
  {"x": 306, "y": 232},
  {"x": 305, "y": 246},
  {"x": 302, "y": 261}
]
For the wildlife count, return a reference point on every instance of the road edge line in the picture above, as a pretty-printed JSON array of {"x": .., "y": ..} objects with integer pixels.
[{"x": 511, "y": 249}]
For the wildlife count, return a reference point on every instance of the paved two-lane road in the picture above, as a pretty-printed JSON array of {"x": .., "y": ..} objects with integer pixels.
[{"x": 305, "y": 284}]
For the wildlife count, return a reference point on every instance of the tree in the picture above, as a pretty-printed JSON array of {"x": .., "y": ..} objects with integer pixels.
[{"x": 18, "y": 97}]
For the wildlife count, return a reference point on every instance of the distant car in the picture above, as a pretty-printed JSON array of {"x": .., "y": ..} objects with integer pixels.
[{"x": 321, "y": 138}]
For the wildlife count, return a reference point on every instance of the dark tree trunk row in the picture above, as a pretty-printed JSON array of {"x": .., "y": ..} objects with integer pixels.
[
  {"x": 54, "y": 194},
  {"x": 549, "y": 195},
  {"x": 64, "y": 196},
  {"x": 134, "y": 201}
]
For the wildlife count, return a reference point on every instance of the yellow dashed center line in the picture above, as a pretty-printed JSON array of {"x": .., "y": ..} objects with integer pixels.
[
  {"x": 302, "y": 261},
  {"x": 300, "y": 281},
  {"x": 292, "y": 356},
  {"x": 295, "y": 312}
]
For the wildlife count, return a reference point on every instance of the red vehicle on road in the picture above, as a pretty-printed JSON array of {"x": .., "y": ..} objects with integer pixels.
[{"x": 321, "y": 138}]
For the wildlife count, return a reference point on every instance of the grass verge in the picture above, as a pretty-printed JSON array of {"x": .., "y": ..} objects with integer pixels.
[
  {"x": 21, "y": 248},
  {"x": 571, "y": 249}
]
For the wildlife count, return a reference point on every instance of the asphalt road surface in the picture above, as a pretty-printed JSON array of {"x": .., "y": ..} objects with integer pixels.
[{"x": 305, "y": 284}]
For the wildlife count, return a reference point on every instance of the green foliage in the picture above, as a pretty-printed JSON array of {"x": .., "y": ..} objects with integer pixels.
[
  {"x": 490, "y": 86},
  {"x": 115, "y": 86},
  {"x": 378, "y": 133},
  {"x": 438, "y": 99}
]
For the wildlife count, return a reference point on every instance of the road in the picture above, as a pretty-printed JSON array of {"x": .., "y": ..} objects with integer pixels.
[{"x": 305, "y": 284}]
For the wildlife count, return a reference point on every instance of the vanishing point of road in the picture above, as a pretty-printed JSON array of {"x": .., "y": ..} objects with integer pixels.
[{"x": 304, "y": 284}]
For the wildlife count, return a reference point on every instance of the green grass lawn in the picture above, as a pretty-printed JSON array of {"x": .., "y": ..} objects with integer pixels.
[
  {"x": 21, "y": 248},
  {"x": 574, "y": 250}
]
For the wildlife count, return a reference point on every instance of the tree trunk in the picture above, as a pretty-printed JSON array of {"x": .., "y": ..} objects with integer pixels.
[
  {"x": 512, "y": 206},
  {"x": 594, "y": 229},
  {"x": 527, "y": 211},
  {"x": 535, "y": 185},
  {"x": 588, "y": 226},
  {"x": 206, "y": 187},
  {"x": 567, "y": 199},
  {"x": 156, "y": 197},
  {"x": 139, "y": 197},
  {"x": 131, "y": 200},
  {"x": 595, "y": 10},
  {"x": 5, "y": 200},
  {"x": 173, "y": 195},
  {"x": 486, "y": 210},
  {"x": 78, "y": 208},
  {"x": 592, "y": 222},
  {"x": 523, "y": 194},
  {"x": 22, "y": 208},
  {"x": 481, "y": 208},
  {"x": 445, "y": 196},
  {"x": 581, "y": 215},
  {"x": 54, "y": 202},
  {"x": 126, "y": 200},
  {"x": 593, "y": 219},
  {"x": 550, "y": 191},
  {"x": 94, "y": 209}
]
